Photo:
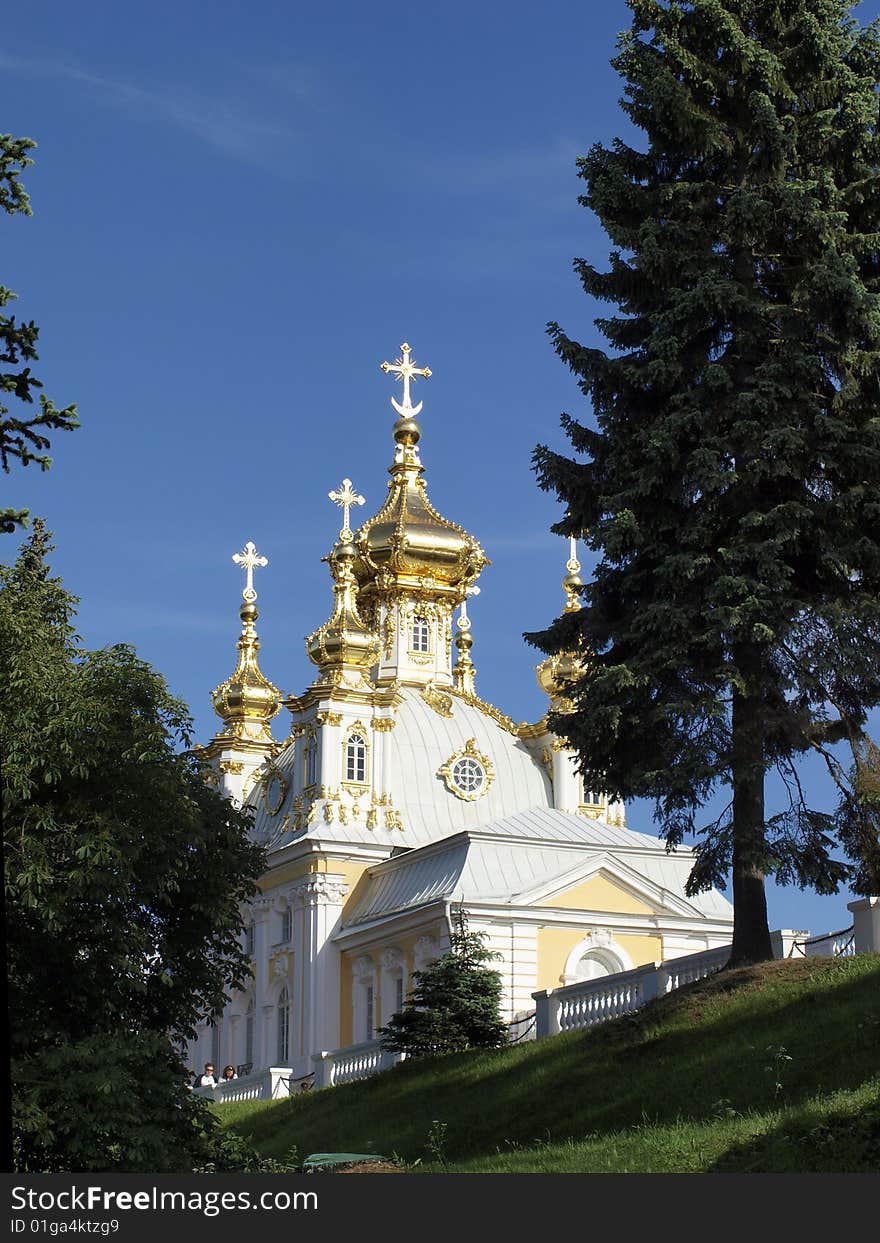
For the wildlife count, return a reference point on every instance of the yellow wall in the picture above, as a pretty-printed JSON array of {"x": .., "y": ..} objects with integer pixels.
[
  {"x": 287, "y": 872},
  {"x": 555, "y": 945},
  {"x": 407, "y": 946},
  {"x": 599, "y": 894}
]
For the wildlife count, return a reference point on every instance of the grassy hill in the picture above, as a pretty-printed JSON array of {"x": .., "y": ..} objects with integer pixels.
[{"x": 768, "y": 1068}]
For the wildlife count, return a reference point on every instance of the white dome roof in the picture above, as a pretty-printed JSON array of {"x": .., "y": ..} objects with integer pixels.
[{"x": 421, "y": 744}]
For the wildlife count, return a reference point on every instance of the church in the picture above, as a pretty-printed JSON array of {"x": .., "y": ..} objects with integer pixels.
[{"x": 398, "y": 794}]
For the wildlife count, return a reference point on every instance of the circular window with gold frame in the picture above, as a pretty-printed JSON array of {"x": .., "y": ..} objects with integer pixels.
[
  {"x": 274, "y": 790},
  {"x": 467, "y": 773}
]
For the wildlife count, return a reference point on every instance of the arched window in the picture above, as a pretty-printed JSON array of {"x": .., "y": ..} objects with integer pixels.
[
  {"x": 356, "y": 759},
  {"x": 421, "y": 634},
  {"x": 310, "y": 764},
  {"x": 596, "y": 956},
  {"x": 283, "y": 1045}
]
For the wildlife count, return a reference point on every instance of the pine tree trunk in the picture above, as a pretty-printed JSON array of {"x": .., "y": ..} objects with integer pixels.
[{"x": 751, "y": 932}]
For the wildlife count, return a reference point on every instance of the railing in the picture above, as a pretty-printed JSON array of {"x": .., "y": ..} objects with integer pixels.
[
  {"x": 358, "y": 1061},
  {"x": 677, "y": 971},
  {"x": 595, "y": 1001},
  {"x": 832, "y": 945},
  {"x": 522, "y": 1028},
  {"x": 263, "y": 1085}
]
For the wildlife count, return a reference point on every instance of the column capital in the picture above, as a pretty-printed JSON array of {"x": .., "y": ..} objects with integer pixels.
[{"x": 321, "y": 888}]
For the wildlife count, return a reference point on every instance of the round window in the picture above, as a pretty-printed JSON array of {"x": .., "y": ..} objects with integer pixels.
[
  {"x": 468, "y": 775},
  {"x": 274, "y": 791}
]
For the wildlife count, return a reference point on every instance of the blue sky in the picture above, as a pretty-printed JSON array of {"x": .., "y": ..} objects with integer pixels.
[{"x": 240, "y": 210}]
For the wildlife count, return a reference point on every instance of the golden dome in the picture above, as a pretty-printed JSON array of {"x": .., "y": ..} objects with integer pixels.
[
  {"x": 247, "y": 701},
  {"x": 557, "y": 673},
  {"x": 344, "y": 641},
  {"x": 408, "y": 541}
]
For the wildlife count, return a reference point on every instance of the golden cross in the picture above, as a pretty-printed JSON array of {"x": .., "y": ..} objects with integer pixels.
[
  {"x": 406, "y": 370},
  {"x": 345, "y": 496},
  {"x": 249, "y": 559}
]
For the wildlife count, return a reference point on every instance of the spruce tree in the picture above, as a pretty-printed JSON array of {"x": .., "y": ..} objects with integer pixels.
[
  {"x": 454, "y": 1004},
  {"x": 729, "y": 476}
]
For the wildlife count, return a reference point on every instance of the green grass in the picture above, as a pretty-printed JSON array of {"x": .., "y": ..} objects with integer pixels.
[{"x": 769, "y": 1068}]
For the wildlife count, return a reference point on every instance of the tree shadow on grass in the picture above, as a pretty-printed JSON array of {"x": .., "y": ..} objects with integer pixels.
[
  {"x": 845, "y": 1142},
  {"x": 716, "y": 1041}
]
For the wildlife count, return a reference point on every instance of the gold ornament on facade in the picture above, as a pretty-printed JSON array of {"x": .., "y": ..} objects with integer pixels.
[
  {"x": 464, "y": 672},
  {"x": 274, "y": 788},
  {"x": 500, "y": 718},
  {"x": 383, "y": 723},
  {"x": 557, "y": 674},
  {"x": 468, "y": 773},
  {"x": 437, "y": 699}
]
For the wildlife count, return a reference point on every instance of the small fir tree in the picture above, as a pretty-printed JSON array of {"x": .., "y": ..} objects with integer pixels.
[
  {"x": 730, "y": 478},
  {"x": 455, "y": 1001}
]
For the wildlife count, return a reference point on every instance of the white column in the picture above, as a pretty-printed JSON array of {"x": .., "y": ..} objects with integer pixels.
[
  {"x": 866, "y": 924},
  {"x": 262, "y": 914},
  {"x": 393, "y": 969},
  {"x": 234, "y": 1054},
  {"x": 566, "y": 796},
  {"x": 264, "y": 1041},
  {"x": 322, "y": 898}
]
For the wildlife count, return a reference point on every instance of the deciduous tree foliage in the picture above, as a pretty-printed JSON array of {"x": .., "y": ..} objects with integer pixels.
[
  {"x": 21, "y": 438},
  {"x": 124, "y": 874},
  {"x": 454, "y": 1004},
  {"x": 729, "y": 477}
]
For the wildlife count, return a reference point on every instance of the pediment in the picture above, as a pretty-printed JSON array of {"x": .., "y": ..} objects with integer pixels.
[{"x": 605, "y": 883}]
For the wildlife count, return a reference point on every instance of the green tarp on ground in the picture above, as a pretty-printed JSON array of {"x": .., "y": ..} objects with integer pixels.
[{"x": 318, "y": 1160}]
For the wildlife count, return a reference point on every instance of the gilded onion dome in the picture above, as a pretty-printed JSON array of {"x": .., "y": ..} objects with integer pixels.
[
  {"x": 557, "y": 673},
  {"x": 247, "y": 701},
  {"x": 344, "y": 641},
  {"x": 408, "y": 544}
]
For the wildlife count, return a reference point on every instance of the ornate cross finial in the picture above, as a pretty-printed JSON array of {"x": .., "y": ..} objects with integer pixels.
[
  {"x": 345, "y": 496},
  {"x": 250, "y": 559},
  {"x": 572, "y": 564},
  {"x": 406, "y": 370}
]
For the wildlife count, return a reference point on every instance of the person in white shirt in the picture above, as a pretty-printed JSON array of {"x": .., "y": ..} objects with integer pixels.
[
  {"x": 206, "y": 1080},
  {"x": 228, "y": 1073}
]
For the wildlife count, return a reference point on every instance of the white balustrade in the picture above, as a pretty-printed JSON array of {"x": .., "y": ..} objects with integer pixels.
[
  {"x": 358, "y": 1061},
  {"x": 594, "y": 1001},
  {"x": 677, "y": 971},
  {"x": 262, "y": 1085}
]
